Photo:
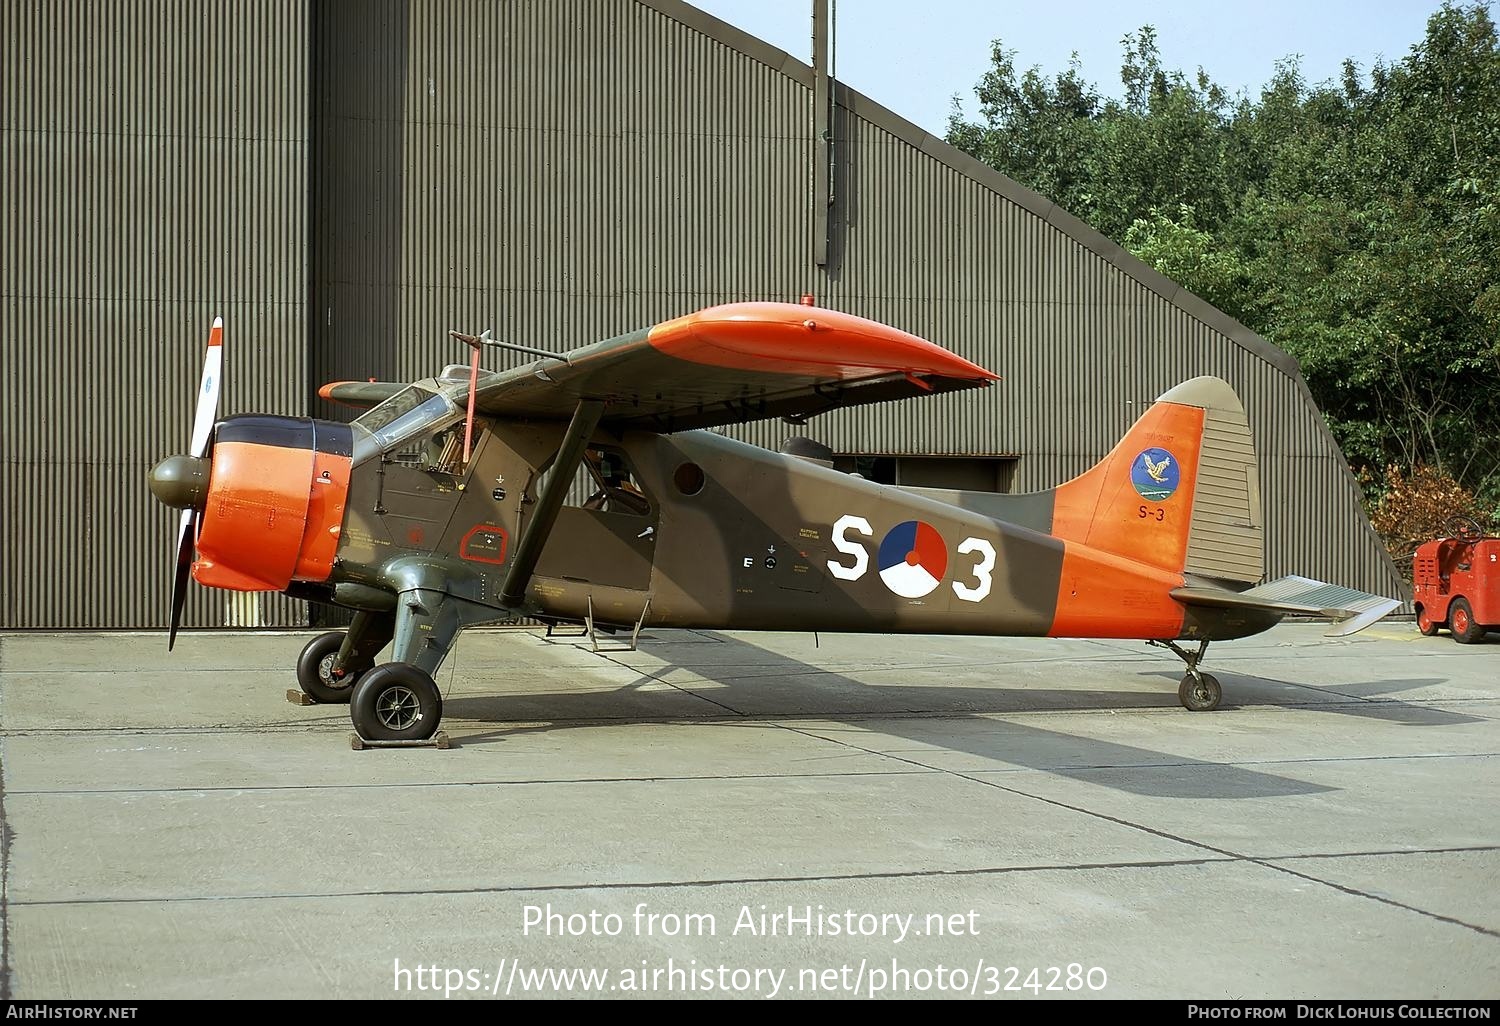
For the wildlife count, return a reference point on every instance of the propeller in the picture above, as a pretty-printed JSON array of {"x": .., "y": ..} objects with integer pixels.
[
  {"x": 182, "y": 481},
  {"x": 208, "y": 390}
]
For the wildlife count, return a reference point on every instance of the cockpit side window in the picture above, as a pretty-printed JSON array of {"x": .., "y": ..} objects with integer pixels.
[{"x": 607, "y": 484}]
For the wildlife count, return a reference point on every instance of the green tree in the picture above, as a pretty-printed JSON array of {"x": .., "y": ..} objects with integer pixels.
[
  {"x": 1192, "y": 257},
  {"x": 1355, "y": 223}
]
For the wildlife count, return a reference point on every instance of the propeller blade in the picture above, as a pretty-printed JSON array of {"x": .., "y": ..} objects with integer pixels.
[
  {"x": 185, "y": 535},
  {"x": 203, "y": 425},
  {"x": 208, "y": 389}
]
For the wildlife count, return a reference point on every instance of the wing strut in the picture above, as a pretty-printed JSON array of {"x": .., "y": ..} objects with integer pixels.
[{"x": 559, "y": 480}]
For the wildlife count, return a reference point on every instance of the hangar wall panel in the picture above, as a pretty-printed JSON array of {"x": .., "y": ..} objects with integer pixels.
[
  {"x": 558, "y": 171},
  {"x": 154, "y": 167}
]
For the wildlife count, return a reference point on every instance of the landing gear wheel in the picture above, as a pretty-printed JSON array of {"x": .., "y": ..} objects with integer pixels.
[
  {"x": 1461, "y": 623},
  {"x": 396, "y": 702},
  {"x": 315, "y": 670},
  {"x": 1200, "y": 692},
  {"x": 1426, "y": 624}
]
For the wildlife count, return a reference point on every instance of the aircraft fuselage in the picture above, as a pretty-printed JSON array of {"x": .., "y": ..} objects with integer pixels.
[{"x": 730, "y": 535}]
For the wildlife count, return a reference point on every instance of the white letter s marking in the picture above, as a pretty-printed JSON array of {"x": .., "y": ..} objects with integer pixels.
[{"x": 850, "y": 548}]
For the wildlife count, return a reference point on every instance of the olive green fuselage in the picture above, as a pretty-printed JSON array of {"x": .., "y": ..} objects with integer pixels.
[{"x": 704, "y": 531}]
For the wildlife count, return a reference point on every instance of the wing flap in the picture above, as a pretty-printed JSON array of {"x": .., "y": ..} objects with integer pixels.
[{"x": 1350, "y": 610}]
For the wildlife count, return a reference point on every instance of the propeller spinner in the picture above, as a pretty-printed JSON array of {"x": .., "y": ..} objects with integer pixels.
[{"x": 182, "y": 481}]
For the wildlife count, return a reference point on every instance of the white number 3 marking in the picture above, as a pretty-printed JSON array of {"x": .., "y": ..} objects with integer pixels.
[{"x": 981, "y": 572}]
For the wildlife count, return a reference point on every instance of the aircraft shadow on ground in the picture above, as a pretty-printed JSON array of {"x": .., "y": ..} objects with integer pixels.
[
  {"x": 936, "y": 719},
  {"x": 1362, "y": 698}
]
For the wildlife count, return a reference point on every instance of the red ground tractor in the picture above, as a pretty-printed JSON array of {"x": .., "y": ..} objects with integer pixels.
[{"x": 1456, "y": 584}]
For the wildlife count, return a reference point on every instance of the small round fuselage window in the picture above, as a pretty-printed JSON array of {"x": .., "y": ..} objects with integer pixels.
[{"x": 689, "y": 479}]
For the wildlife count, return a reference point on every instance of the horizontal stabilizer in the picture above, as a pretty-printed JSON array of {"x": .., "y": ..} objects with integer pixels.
[{"x": 1350, "y": 610}]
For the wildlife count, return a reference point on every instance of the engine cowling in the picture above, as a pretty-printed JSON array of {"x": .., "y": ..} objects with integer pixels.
[{"x": 271, "y": 507}]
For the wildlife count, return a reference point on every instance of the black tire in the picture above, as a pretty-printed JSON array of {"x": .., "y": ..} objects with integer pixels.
[
  {"x": 1461, "y": 622},
  {"x": 1426, "y": 624},
  {"x": 396, "y": 702},
  {"x": 314, "y": 670},
  {"x": 1200, "y": 693}
]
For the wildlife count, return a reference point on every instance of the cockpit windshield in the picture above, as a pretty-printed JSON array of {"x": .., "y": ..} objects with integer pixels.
[
  {"x": 404, "y": 413},
  {"x": 402, "y": 402}
]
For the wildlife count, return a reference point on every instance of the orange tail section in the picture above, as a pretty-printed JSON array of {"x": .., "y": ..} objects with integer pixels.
[
  {"x": 1138, "y": 501},
  {"x": 1178, "y": 496}
]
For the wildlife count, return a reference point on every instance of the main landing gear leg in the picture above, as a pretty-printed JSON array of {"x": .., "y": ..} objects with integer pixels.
[
  {"x": 1199, "y": 691},
  {"x": 398, "y": 702}
]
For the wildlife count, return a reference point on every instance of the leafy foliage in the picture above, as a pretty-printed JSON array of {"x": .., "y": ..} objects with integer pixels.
[
  {"x": 1355, "y": 224},
  {"x": 1419, "y": 506}
]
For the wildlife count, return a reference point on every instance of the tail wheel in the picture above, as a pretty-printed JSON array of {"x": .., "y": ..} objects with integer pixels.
[
  {"x": 1200, "y": 692},
  {"x": 1461, "y": 622},
  {"x": 396, "y": 702},
  {"x": 315, "y": 670},
  {"x": 1425, "y": 623}
]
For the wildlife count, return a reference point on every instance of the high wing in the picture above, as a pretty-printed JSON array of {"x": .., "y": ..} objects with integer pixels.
[{"x": 730, "y": 364}]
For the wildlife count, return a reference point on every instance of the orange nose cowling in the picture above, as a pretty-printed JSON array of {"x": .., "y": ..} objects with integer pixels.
[
  {"x": 325, "y": 517},
  {"x": 274, "y": 512}
]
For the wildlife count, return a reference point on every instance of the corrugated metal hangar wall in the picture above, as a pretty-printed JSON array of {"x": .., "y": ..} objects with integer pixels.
[
  {"x": 346, "y": 182},
  {"x": 154, "y": 161}
]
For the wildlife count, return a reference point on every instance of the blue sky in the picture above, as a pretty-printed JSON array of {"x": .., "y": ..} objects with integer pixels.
[{"x": 914, "y": 56}]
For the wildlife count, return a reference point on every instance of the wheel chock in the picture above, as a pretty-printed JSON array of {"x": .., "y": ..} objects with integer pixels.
[{"x": 438, "y": 740}]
